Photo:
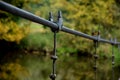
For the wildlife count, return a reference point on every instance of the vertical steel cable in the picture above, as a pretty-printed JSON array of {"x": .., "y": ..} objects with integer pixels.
[
  {"x": 54, "y": 58},
  {"x": 95, "y": 52},
  {"x": 113, "y": 60},
  {"x": 95, "y": 58}
]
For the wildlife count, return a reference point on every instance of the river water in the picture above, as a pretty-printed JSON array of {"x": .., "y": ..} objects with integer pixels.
[
  {"x": 71, "y": 68},
  {"x": 67, "y": 68}
]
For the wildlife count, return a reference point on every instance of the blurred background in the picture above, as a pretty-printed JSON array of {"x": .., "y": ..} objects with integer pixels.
[{"x": 26, "y": 47}]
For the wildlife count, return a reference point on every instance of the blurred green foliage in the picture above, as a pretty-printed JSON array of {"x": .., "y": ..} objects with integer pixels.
[
  {"x": 10, "y": 31},
  {"x": 83, "y": 15},
  {"x": 10, "y": 28}
]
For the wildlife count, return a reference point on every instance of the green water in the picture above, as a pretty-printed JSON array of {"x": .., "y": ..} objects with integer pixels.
[
  {"x": 71, "y": 68},
  {"x": 67, "y": 68}
]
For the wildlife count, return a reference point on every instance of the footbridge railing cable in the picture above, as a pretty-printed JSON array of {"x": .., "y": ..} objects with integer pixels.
[
  {"x": 55, "y": 27},
  {"x": 27, "y": 15}
]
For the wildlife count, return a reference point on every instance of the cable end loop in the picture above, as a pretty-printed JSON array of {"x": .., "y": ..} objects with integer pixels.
[
  {"x": 59, "y": 21},
  {"x": 52, "y": 76}
]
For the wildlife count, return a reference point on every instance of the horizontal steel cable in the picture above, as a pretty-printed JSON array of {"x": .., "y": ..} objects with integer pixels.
[{"x": 27, "y": 15}]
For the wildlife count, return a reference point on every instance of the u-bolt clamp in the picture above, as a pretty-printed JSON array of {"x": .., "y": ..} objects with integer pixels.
[
  {"x": 113, "y": 41},
  {"x": 59, "y": 21},
  {"x": 97, "y": 38}
]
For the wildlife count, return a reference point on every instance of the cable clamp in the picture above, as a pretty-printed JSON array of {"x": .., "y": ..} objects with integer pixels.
[{"x": 59, "y": 21}]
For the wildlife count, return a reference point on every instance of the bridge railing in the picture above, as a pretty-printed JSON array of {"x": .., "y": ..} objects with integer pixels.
[
  {"x": 58, "y": 26},
  {"x": 29, "y": 16}
]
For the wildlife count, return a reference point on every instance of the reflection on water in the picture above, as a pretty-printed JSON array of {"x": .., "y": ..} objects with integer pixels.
[
  {"x": 72, "y": 68},
  {"x": 82, "y": 69},
  {"x": 68, "y": 68}
]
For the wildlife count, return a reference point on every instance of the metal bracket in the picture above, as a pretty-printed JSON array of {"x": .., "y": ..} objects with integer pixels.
[
  {"x": 113, "y": 41},
  {"x": 59, "y": 21},
  {"x": 98, "y": 38}
]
